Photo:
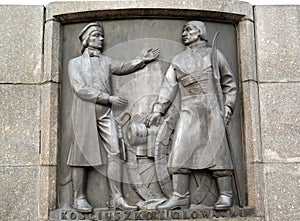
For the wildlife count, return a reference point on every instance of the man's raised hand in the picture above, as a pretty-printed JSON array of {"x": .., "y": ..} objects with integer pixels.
[{"x": 150, "y": 54}]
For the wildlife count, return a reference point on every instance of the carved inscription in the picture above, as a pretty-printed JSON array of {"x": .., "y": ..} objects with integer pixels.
[{"x": 208, "y": 213}]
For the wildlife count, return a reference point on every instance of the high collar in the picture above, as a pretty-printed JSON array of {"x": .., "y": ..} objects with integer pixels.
[
  {"x": 92, "y": 52},
  {"x": 195, "y": 47}
]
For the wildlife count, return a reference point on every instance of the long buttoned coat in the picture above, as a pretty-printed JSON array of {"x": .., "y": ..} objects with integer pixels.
[
  {"x": 199, "y": 141},
  {"x": 90, "y": 80}
]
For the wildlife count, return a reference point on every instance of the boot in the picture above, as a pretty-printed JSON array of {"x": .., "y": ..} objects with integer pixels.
[
  {"x": 79, "y": 178},
  {"x": 121, "y": 204},
  {"x": 176, "y": 201},
  {"x": 82, "y": 206},
  {"x": 114, "y": 182},
  {"x": 116, "y": 199},
  {"x": 224, "y": 201},
  {"x": 181, "y": 195}
]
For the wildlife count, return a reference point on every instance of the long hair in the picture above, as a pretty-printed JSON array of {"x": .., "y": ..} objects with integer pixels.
[{"x": 84, "y": 44}]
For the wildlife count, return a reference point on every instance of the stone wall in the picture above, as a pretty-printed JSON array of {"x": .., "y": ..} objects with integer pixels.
[
  {"x": 21, "y": 68},
  {"x": 268, "y": 42},
  {"x": 278, "y": 70}
]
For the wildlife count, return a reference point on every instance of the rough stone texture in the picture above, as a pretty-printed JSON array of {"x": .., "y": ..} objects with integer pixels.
[
  {"x": 52, "y": 52},
  {"x": 19, "y": 193},
  {"x": 280, "y": 121},
  {"x": 277, "y": 35},
  {"x": 49, "y": 123},
  {"x": 282, "y": 188},
  {"x": 252, "y": 146},
  {"x": 255, "y": 187},
  {"x": 21, "y": 64},
  {"x": 251, "y": 122},
  {"x": 246, "y": 46},
  {"x": 47, "y": 191},
  {"x": 278, "y": 70},
  {"x": 21, "y": 43},
  {"x": 19, "y": 124},
  {"x": 228, "y": 6}
]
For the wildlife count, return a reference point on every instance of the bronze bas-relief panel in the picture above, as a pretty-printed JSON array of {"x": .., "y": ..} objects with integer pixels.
[{"x": 125, "y": 40}]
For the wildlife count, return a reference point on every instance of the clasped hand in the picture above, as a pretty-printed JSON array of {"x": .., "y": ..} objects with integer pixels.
[{"x": 153, "y": 119}]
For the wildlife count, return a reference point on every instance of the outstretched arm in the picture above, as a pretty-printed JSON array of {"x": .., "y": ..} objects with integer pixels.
[
  {"x": 127, "y": 67},
  {"x": 150, "y": 54}
]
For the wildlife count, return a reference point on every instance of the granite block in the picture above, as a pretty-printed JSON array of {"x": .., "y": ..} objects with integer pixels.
[
  {"x": 229, "y": 6},
  {"x": 52, "y": 52},
  {"x": 49, "y": 123},
  {"x": 282, "y": 186},
  {"x": 4, "y": 194},
  {"x": 277, "y": 41},
  {"x": 19, "y": 124},
  {"x": 255, "y": 192},
  {"x": 247, "y": 51},
  {"x": 21, "y": 43},
  {"x": 280, "y": 121},
  {"x": 47, "y": 191},
  {"x": 251, "y": 122},
  {"x": 19, "y": 195},
  {"x": 240, "y": 7}
]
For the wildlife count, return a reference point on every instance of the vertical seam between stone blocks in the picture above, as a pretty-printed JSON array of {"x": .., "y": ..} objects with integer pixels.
[
  {"x": 42, "y": 74},
  {"x": 40, "y": 131},
  {"x": 248, "y": 186},
  {"x": 259, "y": 198},
  {"x": 242, "y": 121},
  {"x": 261, "y": 159},
  {"x": 50, "y": 201},
  {"x": 41, "y": 110}
]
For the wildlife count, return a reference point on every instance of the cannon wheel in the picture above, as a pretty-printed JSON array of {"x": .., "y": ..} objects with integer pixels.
[
  {"x": 162, "y": 145},
  {"x": 203, "y": 190},
  {"x": 136, "y": 171},
  {"x": 135, "y": 177}
]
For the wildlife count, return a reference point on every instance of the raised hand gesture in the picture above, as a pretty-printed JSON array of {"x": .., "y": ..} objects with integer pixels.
[{"x": 150, "y": 54}]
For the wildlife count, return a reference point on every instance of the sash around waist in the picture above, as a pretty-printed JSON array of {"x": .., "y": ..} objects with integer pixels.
[
  {"x": 198, "y": 85},
  {"x": 195, "y": 78}
]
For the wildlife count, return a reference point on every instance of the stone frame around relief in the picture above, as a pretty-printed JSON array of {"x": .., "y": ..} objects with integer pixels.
[{"x": 58, "y": 14}]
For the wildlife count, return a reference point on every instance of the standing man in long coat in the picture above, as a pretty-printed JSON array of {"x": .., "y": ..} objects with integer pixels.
[
  {"x": 199, "y": 141},
  {"x": 95, "y": 140}
]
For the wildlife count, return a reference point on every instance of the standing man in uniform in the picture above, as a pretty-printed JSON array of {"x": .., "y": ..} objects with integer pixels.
[
  {"x": 95, "y": 140},
  {"x": 199, "y": 141}
]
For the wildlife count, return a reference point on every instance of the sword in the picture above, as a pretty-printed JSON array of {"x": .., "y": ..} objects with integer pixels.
[{"x": 219, "y": 94}]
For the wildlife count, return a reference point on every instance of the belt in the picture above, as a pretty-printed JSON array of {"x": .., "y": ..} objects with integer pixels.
[{"x": 195, "y": 78}]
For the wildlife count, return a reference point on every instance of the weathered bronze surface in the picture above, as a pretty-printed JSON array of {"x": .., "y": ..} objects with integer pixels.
[
  {"x": 207, "y": 90},
  {"x": 95, "y": 141},
  {"x": 159, "y": 135}
]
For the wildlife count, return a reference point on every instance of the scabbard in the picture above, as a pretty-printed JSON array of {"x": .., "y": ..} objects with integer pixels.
[{"x": 219, "y": 92}]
